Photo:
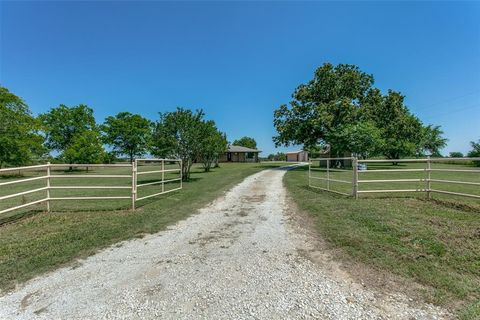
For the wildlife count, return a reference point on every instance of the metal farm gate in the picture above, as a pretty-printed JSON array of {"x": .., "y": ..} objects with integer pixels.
[
  {"x": 353, "y": 176},
  {"x": 156, "y": 177}
]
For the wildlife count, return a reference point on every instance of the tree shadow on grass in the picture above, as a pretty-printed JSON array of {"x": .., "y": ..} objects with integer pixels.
[
  {"x": 306, "y": 187},
  {"x": 268, "y": 166},
  {"x": 34, "y": 212},
  {"x": 193, "y": 179},
  {"x": 19, "y": 216}
]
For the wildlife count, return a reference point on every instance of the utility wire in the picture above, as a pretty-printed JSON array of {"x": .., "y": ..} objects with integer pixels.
[
  {"x": 446, "y": 100},
  {"x": 452, "y": 111}
]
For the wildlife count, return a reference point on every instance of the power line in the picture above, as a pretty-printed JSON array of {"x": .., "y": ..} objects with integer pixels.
[
  {"x": 452, "y": 111},
  {"x": 447, "y": 100}
]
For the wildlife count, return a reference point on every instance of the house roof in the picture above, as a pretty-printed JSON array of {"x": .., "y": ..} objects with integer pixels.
[
  {"x": 241, "y": 149},
  {"x": 295, "y": 152}
]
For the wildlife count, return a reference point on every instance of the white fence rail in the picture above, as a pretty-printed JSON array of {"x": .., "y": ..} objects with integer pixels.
[
  {"x": 49, "y": 177},
  {"x": 359, "y": 172},
  {"x": 331, "y": 166},
  {"x": 161, "y": 181}
]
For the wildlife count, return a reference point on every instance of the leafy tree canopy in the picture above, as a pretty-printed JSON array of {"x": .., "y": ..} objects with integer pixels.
[
  {"x": 318, "y": 107},
  {"x": 362, "y": 139},
  {"x": 85, "y": 147},
  {"x": 456, "y": 154},
  {"x": 340, "y": 104},
  {"x": 213, "y": 144},
  {"x": 63, "y": 123},
  {"x": 433, "y": 140},
  {"x": 246, "y": 142},
  {"x": 128, "y": 134},
  {"x": 20, "y": 141},
  {"x": 401, "y": 130},
  {"x": 177, "y": 135}
]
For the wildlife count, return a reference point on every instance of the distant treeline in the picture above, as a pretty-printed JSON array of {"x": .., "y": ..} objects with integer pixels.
[{"x": 74, "y": 136}]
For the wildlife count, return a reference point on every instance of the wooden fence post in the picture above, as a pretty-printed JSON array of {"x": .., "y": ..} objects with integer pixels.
[
  {"x": 181, "y": 174},
  {"x": 429, "y": 167},
  {"x": 328, "y": 174},
  {"x": 134, "y": 183},
  {"x": 48, "y": 186},
  {"x": 163, "y": 175},
  {"x": 309, "y": 173},
  {"x": 355, "y": 178}
]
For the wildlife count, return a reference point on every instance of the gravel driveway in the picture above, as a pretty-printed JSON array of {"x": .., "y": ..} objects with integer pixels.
[{"x": 239, "y": 258}]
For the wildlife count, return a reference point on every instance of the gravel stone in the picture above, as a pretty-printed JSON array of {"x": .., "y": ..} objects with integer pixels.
[{"x": 238, "y": 258}]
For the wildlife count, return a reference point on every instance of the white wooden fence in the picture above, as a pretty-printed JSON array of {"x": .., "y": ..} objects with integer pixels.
[
  {"x": 360, "y": 171},
  {"x": 49, "y": 176},
  {"x": 330, "y": 167},
  {"x": 162, "y": 182}
]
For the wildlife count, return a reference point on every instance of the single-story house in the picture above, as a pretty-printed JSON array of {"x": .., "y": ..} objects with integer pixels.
[
  {"x": 240, "y": 154},
  {"x": 297, "y": 156}
]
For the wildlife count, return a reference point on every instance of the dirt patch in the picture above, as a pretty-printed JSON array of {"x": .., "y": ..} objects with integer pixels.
[
  {"x": 203, "y": 241},
  {"x": 40, "y": 311},
  {"x": 254, "y": 199},
  {"x": 153, "y": 290},
  {"x": 242, "y": 213},
  {"x": 27, "y": 300}
]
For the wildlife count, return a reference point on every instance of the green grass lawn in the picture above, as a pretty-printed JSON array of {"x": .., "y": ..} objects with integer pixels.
[
  {"x": 41, "y": 241},
  {"x": 432, "y": 243}
]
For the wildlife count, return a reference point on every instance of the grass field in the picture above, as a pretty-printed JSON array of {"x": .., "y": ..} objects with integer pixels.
[
  {"x": 39, "y": 241},
  {"x": 433, "y": 243}
]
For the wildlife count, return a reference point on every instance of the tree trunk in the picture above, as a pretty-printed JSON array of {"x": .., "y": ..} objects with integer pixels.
[{"x": 186, "y": 165}]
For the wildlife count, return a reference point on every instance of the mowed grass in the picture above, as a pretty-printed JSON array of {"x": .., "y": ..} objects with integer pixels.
[
  {"x": 433, "y": 243},
  {"x": 39, "y": 242}
]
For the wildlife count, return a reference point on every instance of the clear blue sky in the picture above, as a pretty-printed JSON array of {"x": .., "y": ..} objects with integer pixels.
[{"x": 240, "y": 61}]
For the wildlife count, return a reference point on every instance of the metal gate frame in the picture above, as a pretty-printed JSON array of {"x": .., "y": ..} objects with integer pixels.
[
  {"x": 356, "y": 182},
  {"x": 136, "y": 173},
  {"x": 49, "y": 176}
]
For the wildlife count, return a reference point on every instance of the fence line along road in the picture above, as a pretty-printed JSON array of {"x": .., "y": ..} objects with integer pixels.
[
  {"x": 359, "y": 167},
  {"x": 48, "y": 176}
]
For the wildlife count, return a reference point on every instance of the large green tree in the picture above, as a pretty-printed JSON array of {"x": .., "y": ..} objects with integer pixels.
[
  {"x": 178, "y": 134},
  {"x": 85, "y": 147},
  {"x": 402, "y": 132},
  {"x": 213, "y": 144},
  {"x": 72, "y": 131},
  {"x": 329, "y": 100},
  {"x": 247, "y": 142},
  {"x": 20, "y": 140},
  {"x": 128, "y": 134},
  {"x": 62, "y": 124},
  {"x": 341, "y": 104},
  {"x": 363, "y": 139}
]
